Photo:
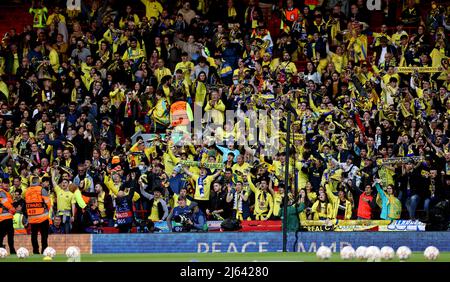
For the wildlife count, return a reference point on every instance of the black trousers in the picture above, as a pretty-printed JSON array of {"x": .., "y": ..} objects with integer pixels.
[
  {"x": 43, "y": 228},
  {"x": 6, "y": 228},
  {"x": 125, "y": 228}
]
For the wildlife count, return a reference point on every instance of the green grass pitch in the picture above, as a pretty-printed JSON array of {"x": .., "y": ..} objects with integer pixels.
[{"x": 212, "y": 257}]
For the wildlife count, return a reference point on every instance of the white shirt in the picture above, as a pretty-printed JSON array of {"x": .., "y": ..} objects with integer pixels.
[
  {"x": 73, "y": 5},
  {"x": 314, "y": 77},
  {"x": 377, "y": 141},
  {"x": 383, "y": 54}
]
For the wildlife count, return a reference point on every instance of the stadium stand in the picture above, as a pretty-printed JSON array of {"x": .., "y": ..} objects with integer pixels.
[{"x": 174, "y": 113}]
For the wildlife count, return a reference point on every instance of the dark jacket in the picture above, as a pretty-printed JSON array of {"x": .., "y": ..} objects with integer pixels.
[
  {"x": 320, "y": 48},
  {"x": 124, "y": 210},
  {"x": 109, "y": 135},
  {"x": 134, "y": 111},
  {"x": 217, "y": 201},
  {"x": 26, "y": 91},
  {"x": 414, "y": 180},
  {"x": 160, "y": 208},
  {"x": 378, "y": 49},
  {"x": 9, "y": 61},
  {"x": 64, "y": 130},
  {"x": 88, "y": 218}
]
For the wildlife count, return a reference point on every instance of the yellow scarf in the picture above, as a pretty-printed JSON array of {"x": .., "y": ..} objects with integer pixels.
[
  {"x": 232, "y": 12},
  {"x": 4, "y": 89}
]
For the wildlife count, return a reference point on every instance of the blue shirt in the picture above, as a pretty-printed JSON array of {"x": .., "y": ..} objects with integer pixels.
[
  {"x": 199, "y": 221},
  {"x": 226, "y": 151},
  {"x": 177, "y": 182}
]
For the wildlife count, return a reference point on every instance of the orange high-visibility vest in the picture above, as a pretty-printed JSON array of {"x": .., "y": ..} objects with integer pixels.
[
  {"x": 178, "y": 113},
  {"x": 85, "y": 199},
  {"x": 6, "y": 206},
  {"x": 37, "y": 204},
  {"x": 292, "y": 15}
]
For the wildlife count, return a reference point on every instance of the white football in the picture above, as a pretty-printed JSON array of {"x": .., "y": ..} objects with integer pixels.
[
  {"x": 323, "y": 252},
  {"x": 72, "y": 252},
  {"x": 387, "y": 253},
  {"x": 347, "y": 253},
  {"x": 431, "y": 253},
  {"x": 361, "y": 252},
  {"x": 3, "y": 253},
  {"x": 373, "y": 253},
  {"x": 22, "y": 253},
  {"x": 403, "y": 253},
  {"x": 49, "y": 252}
]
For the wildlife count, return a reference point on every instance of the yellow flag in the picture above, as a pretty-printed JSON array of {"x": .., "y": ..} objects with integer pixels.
[{"x": 4, "y": 89}]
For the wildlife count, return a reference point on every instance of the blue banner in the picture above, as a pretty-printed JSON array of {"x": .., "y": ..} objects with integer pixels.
[{"x": 232, "y": 242}]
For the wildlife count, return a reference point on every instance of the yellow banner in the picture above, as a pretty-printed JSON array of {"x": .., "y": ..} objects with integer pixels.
[
  {"x": 344, "y": 225},
  {"x": 399, "y": 160},
  {"x": 345, "y": 222},
  {"x": 206, "y": 165},
  {"x": 360, "y": 225},
  {"x": 419, "y": 69}
]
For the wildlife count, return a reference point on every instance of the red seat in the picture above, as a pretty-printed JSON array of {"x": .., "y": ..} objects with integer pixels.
[
  {"x": 259, "y": 225},
  {"x": 112, "y": 230}
]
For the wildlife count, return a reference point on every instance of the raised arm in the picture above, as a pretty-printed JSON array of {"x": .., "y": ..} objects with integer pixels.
[
  {"x": 110, "y": 185},
  {"x": 174, "y": 159},
  {"x": 165, "y": 209},
  {"x": 380, "y": 190},
  {"x": 330, "y": 194},
  {"x": 312, "y": 105},
  {"x": 217, "y": 173},
  {"x": 54, "y": 183},
  {"x": 222, "y": 149},
  {"x": 78, "y": 199},
  {"x": 314, "y": 206},
  {"x": 251, "y": 185},
  {"x": 169, "y": 220},
  {"x": 142, "y": 187},
  {"x": 272, "y": 192},
  {"x": 246, "y": 194},
  {"x": 229, "y": 194}
]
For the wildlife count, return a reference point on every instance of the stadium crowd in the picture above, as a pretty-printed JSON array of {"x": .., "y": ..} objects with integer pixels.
[{"x": 370, "y": 137}]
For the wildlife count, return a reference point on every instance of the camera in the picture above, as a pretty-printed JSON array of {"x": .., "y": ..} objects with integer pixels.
[
  {"x": 182, "y": 218},
  {"x": 142, "y": 225}
]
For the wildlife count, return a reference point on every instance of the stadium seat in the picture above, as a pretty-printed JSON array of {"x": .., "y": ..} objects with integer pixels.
[
  {"x": 113, "y": 230},
  {"x": 258, "y": 225}
]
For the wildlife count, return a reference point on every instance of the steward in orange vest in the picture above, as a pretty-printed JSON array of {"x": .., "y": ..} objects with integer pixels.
[
  {"x": 289, "y": 15},
  {"x": 37, "y": 204},
  {"x": 6, "y": 208},
  {"x": 180, "y": 113},
  {"x": 6, "y": 216}
]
